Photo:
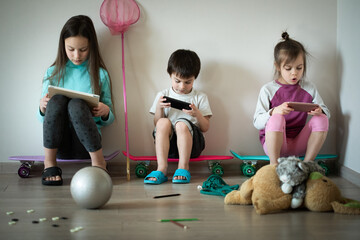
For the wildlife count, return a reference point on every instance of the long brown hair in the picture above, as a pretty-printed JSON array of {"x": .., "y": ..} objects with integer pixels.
[{"x": 79, "y": 26}]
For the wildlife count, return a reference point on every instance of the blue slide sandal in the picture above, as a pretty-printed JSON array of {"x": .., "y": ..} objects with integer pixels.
[
  {"x": 184, "y": 173},
  {"x": 160, "y": 178}
]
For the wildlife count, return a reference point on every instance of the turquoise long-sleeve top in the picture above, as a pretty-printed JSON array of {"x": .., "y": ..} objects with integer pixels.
[{"x": 77, "y": 77}]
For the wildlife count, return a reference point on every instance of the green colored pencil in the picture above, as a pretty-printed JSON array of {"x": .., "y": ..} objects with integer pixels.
[{"x": 179, "y": 219}]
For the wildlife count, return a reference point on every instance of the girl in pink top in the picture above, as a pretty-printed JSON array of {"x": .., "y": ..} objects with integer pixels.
[{"x": 283, "y": 131}]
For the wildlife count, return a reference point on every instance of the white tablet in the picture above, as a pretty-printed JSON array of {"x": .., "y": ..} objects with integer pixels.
[{"x": 91, "y": 99}]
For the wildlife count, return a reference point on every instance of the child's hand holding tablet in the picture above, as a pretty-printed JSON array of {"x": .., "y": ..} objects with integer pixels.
[{"x": 303, "y": 107}]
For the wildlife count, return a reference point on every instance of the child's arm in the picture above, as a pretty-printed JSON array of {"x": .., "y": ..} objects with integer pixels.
[
  {"x": 282, "y": 109},
  {"x": 44, "y": 97},
  {"x": 105, "y": 106},
  {"x": 159, "y": 113},
  {"x": 262, "y": 111},
  {"x": 102, "y": 110},
  {"x": 204, "y": 121},
  {"x": 311, "y": 88},
  {"x": 317, "y": 111},
  {"x": 43, "y": 103}
]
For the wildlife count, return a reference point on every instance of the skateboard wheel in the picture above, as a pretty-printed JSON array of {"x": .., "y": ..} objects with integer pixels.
[
  {"x": 242, "y": 166},
  {"x": 218, "y": 169},
  {"x": 24, "y": 171},
  {"x": 248, "y": 170},
  {"x": 140, "y": 170},
  {"x": 325, "y": 167}
]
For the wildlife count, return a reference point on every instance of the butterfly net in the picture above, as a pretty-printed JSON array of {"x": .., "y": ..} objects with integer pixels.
[{"x": 118, "y": 15}]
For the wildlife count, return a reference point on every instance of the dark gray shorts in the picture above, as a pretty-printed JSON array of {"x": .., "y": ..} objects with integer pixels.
[{"x": 198, "y": 142}]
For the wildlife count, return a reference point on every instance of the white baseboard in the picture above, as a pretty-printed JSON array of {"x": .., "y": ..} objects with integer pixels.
[{"x": 350, "y": 175}]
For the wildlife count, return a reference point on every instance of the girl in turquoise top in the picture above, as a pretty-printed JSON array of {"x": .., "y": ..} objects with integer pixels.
[{"x": 71, "y": 129}]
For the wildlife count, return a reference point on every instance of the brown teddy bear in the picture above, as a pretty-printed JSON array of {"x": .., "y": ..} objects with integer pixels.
[{"x": 264, "y": 192}]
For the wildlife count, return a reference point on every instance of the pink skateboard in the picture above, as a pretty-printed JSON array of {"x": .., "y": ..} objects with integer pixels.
[
  {"x": 28, "y": 161},
  {"x": 144, "y": 162}
]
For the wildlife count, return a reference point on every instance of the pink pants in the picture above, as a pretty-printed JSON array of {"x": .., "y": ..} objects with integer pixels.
[{"x": 295, "y": 146}]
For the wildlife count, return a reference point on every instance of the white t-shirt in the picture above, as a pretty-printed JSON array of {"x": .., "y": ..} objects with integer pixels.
[{"x": 199, "y": 99}]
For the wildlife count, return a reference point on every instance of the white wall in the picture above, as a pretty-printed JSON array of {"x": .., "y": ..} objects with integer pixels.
[
  {"x": 349, "y": 73},
  {"x": 234, "y": 39}
]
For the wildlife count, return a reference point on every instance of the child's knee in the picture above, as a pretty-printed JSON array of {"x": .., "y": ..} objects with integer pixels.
[
  {"x": 77, "y": 105},
  {"x": 163, "y": 124},
  {"x": 276, "y": 123},
  {"x": 182, "y": 128},
  {"x": 57, "y": 103},
  {"x": 319, "y": 123},
  {"x": 79, "y": 110}
]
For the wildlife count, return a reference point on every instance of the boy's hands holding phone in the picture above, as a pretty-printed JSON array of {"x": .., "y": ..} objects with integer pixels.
[
  {"x": 188, "y": 108},
  {"x": 165, "y": 102},
  {"x": 194, "y": 112},
  {"x": 162, "y": 103}
]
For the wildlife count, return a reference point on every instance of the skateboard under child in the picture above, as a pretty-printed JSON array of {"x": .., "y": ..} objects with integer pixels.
[
  {"x": 144, "y": 162},
  {"x": 28, "y": 161},
  {"x": 248, "y": 167}
]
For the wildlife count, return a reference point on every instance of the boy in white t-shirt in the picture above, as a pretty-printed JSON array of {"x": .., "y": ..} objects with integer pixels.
[{"x": 178, "y": 133}]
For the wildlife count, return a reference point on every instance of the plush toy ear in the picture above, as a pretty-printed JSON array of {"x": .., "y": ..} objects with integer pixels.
[
  {"x": 351, "y": 207},
  {"x": 303, "y": 167},
  {"x": 281, "y": 159}
]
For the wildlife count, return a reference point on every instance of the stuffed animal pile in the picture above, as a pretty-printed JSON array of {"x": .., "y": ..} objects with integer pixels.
[
  {"x": 264, "y": 192},
  {"x": 293, "y": 174}
]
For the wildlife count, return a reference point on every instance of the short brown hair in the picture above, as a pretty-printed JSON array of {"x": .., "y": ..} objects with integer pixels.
[{"x": 184, "y": 63}]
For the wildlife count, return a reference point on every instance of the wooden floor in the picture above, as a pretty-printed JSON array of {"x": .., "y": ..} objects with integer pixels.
[{"x": 133, "y": 213}]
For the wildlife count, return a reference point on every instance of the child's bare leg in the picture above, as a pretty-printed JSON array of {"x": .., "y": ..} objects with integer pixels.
[
  {"x": 274, "y": 142},
  {"x": 315, "y": 142},
  {"x": 162, "y": 144},
  {"x": 50, "y": 161},
  {"x": 97, "y": 159},
  {"x": 184, "y": 144}
]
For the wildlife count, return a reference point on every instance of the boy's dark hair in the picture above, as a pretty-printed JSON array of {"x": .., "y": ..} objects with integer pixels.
[
  {"x": 184, "y": 63},
  {"x": 288, "y": 50}
]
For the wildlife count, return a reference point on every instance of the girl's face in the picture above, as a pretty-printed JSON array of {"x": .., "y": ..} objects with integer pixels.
[
  {"x": 291, "y": 73},
  {"x": 77, "y": 49},
  {"x": 181, "y": 85}
]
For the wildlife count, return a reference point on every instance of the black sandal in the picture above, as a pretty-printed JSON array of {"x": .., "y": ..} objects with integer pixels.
[{"x": 51, "y": 172}]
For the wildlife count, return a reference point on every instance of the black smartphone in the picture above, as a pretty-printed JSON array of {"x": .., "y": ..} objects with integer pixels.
[{"x": 177, "y": 103}]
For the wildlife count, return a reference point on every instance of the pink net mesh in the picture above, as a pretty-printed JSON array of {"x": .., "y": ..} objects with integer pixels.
[{"x": 118, "y": 15}]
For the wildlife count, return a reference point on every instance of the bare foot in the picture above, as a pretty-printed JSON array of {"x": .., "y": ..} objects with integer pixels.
[
  {"x": 102, "y": 165},
  {"x": 179, "y": 178},
  {"x": 154, "y": 179},
  {"x": 53, "y": 178}
]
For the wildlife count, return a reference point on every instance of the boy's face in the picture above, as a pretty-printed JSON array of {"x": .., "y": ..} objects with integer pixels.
[{"x": 181, "y": 85}]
